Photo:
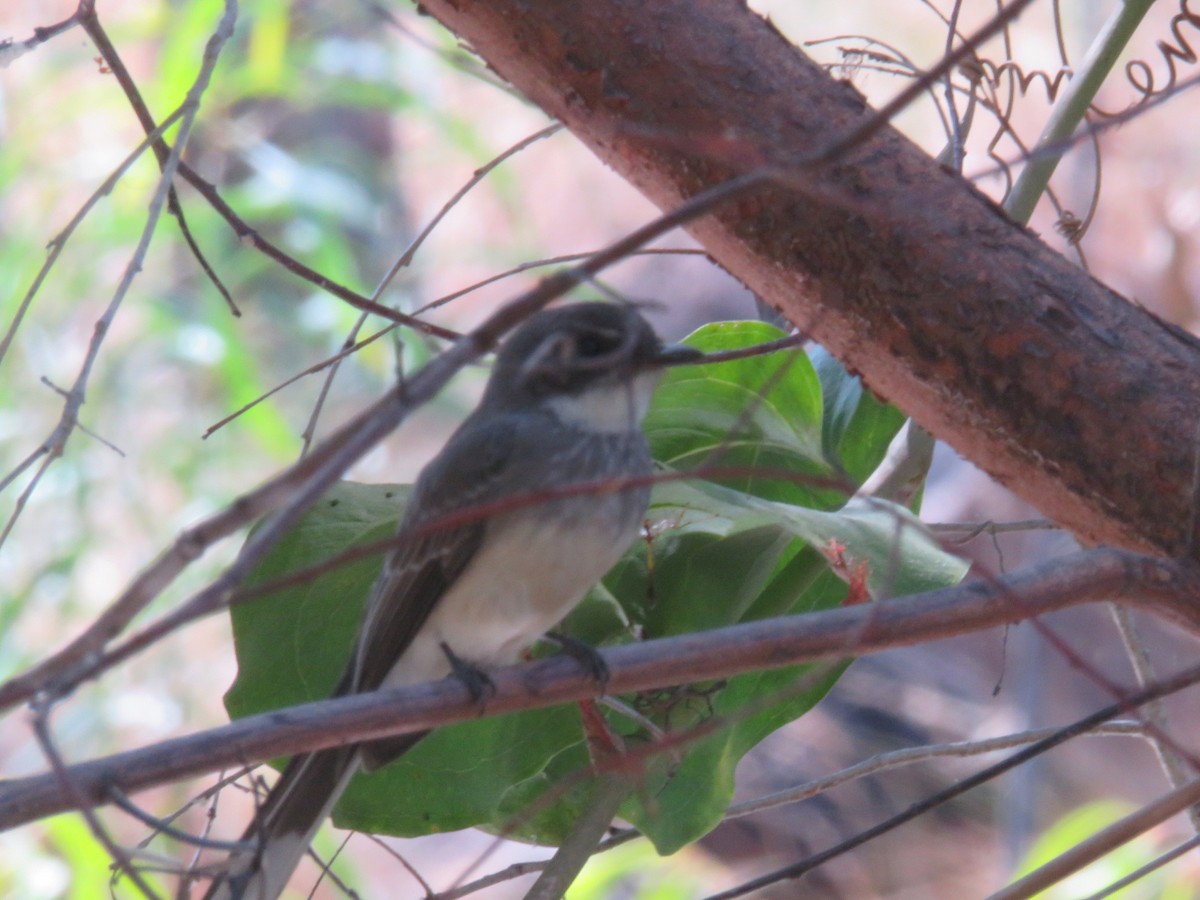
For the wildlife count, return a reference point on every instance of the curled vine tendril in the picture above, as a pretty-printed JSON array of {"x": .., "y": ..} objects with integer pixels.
[
  {"x": 996, "y": 86},
  {"x": 1140, "y": 74},
  {"x": 1019, "y": 79}
]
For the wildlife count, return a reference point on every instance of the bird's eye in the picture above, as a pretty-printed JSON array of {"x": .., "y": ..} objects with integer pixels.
[{"x": 594, "y": 343}]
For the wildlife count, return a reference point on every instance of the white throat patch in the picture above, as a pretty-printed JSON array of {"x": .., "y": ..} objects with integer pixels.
[{"x": 608, "y": 407}]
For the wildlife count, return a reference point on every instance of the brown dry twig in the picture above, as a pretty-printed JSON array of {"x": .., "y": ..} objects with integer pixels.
[
  {"x": 112, "y": 64},
  {"x": 242, "y": 230}
]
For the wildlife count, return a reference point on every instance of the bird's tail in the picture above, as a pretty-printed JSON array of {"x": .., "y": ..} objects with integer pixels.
[{"x": 285, "y": 824}]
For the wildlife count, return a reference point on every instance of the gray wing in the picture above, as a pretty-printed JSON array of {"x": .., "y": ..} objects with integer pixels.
[{"x": 467, "y": 473}]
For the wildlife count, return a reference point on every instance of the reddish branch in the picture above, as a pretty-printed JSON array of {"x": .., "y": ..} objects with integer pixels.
[
  {"x": 1081, "y": 402},
  {"x": 1164, "y": 587}
]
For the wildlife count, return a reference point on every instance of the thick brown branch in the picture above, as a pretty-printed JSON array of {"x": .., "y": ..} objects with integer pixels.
[
  {"x": 1166, "y": 588},
  {"x": 990, "y": 339}
]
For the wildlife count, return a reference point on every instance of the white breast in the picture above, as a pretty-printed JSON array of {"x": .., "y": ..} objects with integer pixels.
[{"x": 527, "y": 577}]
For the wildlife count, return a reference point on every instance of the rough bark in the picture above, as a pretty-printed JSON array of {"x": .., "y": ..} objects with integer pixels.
[{"x": 1079, "y": 401}]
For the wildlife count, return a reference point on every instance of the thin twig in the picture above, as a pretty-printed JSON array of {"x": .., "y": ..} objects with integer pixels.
[
  {"x": 965, "y": 531},
  {"x": 1102, "y": 842},
  {"x": 311, "y": 370},
  {"x": 90, "y": 22},
  {"x": 1153, "y": 866},
  {"x": 406, "y": 258},
  {"x": 62, "y": 773},
  {"x": 242, "y": 230},
  {"x": 607, "y": 795},
  {"x": 516, "y": 270},
  {"x": 161, "y": 826},
  {"x": 543, "y": 263},
  {"x": 10, "y": 50},
  {"x": 399, "y": 857},
  {"x": 247, "y": 235},
  {"x": 911, "y": 755},
  {"x": 510, "y": 873},
  {"x": 1076, "y": 660},
  {"x": 56, "y": 247},
  {"x": 1081, "y": 726},
  {"x": 1174, "y": 766},
  {"x": 326, "y": 867}
]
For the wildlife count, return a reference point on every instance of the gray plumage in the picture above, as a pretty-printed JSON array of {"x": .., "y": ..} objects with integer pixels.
[{"x": 563, "y": 408}]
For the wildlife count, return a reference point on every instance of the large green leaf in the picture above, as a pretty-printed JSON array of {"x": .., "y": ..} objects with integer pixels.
[
  {"x": 900, "y": 555},
  {"x": 292, "y": 644},
  {"x": 753, "y": 415},
  {"x": 739, "y": 548}
]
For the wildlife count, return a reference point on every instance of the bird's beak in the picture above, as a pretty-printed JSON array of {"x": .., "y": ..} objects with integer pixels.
[{"x": 677, "y": 355}]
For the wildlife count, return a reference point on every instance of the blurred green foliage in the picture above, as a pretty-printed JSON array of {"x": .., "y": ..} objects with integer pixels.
[{"x": 1171, "y": 882}]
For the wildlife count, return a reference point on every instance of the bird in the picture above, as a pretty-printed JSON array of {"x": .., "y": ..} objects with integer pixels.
[{"x": 563, "y": 407}]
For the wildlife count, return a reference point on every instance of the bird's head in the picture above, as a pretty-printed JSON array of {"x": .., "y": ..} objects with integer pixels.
[{"x": 593, "y": 363}]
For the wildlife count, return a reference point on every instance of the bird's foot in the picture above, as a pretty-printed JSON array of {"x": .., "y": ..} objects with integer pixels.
[
  {"x": 477, "y": 682},
  {"x": 586, "y": 655}
]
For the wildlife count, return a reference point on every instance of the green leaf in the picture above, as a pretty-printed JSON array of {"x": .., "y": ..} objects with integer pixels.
[
  {"x": 683, "y": 805},
  {"x": 729, "y": 557},
  {"x": 293, "y": 643},
  {"x": 856, "y": 426},
  {"x": 463, "y": 775},
  {"x": 900, "y": 554},
  {"x": 756, "y": 414}
]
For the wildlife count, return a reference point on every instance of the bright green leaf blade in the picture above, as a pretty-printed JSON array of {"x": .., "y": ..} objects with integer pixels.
[
  {"x": 461, "y": 775},
  {"x": 759, "y": 413},
  {"x": 724, "y": 547},
  {"x": 856, "y": 427},
  {"x": 699, "y": 580},
  {"x": 901, "y": 556},
  {"x": 697, "y": 573},
  {"x": 293, "y": 644},
  {"x": 692, "y": 801}
]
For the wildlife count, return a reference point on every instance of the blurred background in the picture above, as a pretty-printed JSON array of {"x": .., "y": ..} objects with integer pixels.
[{"x": 339, "y": 131}]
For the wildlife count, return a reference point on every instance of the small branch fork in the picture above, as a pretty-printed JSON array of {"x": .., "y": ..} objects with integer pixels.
[{"x": 1164, "y": 587}]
